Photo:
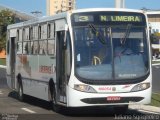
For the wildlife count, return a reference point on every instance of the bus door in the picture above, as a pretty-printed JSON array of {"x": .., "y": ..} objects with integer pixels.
[
  {"x": 12, "y": 57},
  {"x": 60, "y": 61}
]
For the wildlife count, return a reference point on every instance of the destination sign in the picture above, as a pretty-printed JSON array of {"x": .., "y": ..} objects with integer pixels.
[
  {"x": 107, "y": 18},
  {"x": 117, "y": 18},
  {"x": 84, "y": 18}
]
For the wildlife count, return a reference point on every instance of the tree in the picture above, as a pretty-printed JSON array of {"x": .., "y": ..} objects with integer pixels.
[{"x": 6, "y": 18}]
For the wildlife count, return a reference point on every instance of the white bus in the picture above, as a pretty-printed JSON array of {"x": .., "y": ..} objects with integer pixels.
[{"x": 88, "y": 57}]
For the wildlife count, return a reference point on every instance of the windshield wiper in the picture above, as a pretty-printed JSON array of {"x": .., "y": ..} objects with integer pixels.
[
  {"x": 126, "y": 35},
  {"x": 97, "y": 33}
]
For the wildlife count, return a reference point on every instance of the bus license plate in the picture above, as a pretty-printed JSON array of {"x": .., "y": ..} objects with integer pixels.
[{"x": 113, "y": 98}]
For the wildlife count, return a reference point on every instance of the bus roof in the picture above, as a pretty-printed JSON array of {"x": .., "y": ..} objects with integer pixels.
[
  {"x": 65, "y": 14},
  {"x": 38, "y": 20},
  {"x": 107, "y": 9}
]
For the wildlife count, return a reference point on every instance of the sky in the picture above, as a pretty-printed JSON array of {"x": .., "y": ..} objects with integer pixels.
[{"x": 29, "y": 6}]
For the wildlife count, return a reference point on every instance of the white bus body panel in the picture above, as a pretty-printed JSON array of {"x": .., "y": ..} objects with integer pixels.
[
  {"x": 75, "y": 97},
  {"x": 37, "y": 89},
  {"x": 35, "y": 81}
]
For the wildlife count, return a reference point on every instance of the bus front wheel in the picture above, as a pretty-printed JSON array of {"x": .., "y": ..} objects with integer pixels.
[{"x": 56, "y": 108}]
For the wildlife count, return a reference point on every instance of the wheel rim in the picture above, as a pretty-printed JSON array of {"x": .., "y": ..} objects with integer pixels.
[{"x": 20, "y": 92}]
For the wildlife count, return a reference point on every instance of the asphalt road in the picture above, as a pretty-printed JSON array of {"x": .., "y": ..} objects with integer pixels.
[
  {"x": 3, "y": 82},
  {"x": 35, "y": 109}
]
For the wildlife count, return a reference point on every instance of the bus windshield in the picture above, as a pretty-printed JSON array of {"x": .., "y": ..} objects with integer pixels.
[{"x": 110, "y": 48}]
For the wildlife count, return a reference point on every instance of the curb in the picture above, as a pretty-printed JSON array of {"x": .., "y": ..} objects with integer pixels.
[
  {"x": 2, "y": 66},
  {"x": 146, "y": 108}
]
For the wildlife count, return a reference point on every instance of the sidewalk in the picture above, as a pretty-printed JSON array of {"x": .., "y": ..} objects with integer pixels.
[{"x": 146, "y": 108}]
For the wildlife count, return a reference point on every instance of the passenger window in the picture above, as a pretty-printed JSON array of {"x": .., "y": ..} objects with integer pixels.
[
  {"x": 35, "y": 47},
  {"x": 43, "y": 47},
  {"x": 51, "y": 47},
  {"x": 31, "y": 33},
  {"x": 44, "y": 31},
  {"x": 49, "y": 30},
  {"x": 19, "y": 48},
  {"x": 25, "y": 48},
  {"x": 35, "y": 32},
  {"x": 39, "y": 32}
]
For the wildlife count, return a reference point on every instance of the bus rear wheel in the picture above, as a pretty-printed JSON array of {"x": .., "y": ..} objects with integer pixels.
[
  {"x": 55, "y": 106},
  {"x": 20, "y": 92}
]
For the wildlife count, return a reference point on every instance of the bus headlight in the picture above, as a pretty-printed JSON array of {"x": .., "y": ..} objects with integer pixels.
[
  {"x": 140, "y": 87},
  {"x": 84, "y": 88}
]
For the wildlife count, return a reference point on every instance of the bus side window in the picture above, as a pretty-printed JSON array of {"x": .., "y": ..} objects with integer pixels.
[
  {"x": 49, "y": 31},
  {"x": 31, "y": 33},
  {"x": 35, "y": 32},
  {"x": 19, "y": 41},
  {"x": 43, "y": 47},
  {"x": 51, "y": 39},
  {"x": 25, "y": 48},
  {"x": 35, "y": 47},
  {"x": 44, "y": 31},
  {"x": 51, "y": 47},
  {"x": 31, "y": 48},
  {"x": 19, "y": 48},
  {"x": 39, "y": 32}
]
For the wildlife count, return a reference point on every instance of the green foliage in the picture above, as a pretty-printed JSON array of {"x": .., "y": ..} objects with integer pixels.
[
  {"x": 155, "y": 100},
  {"x": 2, "y": 61},
  {"x": 6, "y": 18}
]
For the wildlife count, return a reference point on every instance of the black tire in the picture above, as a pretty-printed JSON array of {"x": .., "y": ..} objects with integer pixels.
[
  {"x": 20, "y": 92},
  {"x": 56, "y": 108},
  {"x": 121, "y": 109}
]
